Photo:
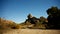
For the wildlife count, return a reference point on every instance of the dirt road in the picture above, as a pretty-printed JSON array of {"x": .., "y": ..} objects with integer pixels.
[{"x": 29, "y": 31}]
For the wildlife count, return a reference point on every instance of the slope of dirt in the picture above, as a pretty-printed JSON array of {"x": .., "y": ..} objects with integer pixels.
[{"x": 29, "y": 31}]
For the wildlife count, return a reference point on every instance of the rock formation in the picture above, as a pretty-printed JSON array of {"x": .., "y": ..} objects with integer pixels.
[{"x": 38, "y": 22}]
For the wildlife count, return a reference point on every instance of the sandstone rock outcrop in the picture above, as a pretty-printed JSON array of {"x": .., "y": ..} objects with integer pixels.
[{"x": 38, "y": 22}]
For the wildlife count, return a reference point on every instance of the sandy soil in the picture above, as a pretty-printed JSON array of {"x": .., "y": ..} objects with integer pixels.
[{"x": 28, "y": 31}]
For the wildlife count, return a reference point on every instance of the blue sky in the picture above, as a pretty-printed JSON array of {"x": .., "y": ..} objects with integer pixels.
[{"x": 17, "y": 10}]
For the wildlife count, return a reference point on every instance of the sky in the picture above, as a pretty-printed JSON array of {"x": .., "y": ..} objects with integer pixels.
[{"x": 17, "y": 10}]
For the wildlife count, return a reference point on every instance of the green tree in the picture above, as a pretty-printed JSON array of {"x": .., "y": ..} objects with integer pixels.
[{"x": 53, "y": 17}]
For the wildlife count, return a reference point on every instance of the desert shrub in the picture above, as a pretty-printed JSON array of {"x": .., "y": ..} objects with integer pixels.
[{"x": 15, "y": 26}]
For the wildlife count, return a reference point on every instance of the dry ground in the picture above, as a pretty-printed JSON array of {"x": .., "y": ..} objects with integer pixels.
[{"x": 28, "y": 31}]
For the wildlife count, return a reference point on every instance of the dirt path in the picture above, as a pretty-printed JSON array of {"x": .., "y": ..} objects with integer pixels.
[{"x": 29, "y": 31}]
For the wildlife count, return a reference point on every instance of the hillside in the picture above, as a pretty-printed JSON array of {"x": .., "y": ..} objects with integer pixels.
[{"x": 8, "y": 24}]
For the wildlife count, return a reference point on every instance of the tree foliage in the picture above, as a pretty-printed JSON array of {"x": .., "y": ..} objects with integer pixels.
[{"x": 53, "y": 17}]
